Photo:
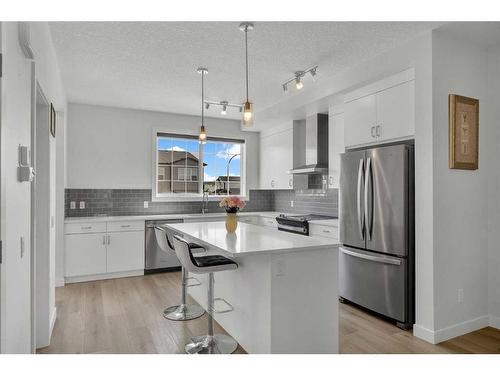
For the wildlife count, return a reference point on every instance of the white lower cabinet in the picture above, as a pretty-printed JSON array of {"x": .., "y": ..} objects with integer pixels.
[
  {"x": 125, "y": 251},
  {"x": 108, "y": 249},
  {"x": 85, "y": 254}
]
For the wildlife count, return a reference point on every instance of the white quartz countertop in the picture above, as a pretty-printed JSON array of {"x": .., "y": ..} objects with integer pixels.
[
  {"x": 250, "y": 239},
  {"x": 96, "y": 219}
]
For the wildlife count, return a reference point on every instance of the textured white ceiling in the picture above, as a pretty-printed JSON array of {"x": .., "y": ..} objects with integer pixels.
[{"x": 152, "y": 65}]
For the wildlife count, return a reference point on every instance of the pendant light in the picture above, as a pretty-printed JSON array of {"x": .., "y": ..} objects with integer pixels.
[
  {"x": 247, "y": 106},
  {"x": 202, "y": 137}
]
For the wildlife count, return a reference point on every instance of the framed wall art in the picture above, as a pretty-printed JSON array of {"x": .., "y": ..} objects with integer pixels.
[{"x": 463, "y": 132}]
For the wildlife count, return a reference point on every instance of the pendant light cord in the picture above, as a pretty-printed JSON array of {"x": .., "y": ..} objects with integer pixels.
[
  {"x": 246, "y": 56},
  {"x": 202, "y": 99}
]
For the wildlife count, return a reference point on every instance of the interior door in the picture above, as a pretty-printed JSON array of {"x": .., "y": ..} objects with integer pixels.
[
  {"x": 386, "y": 199},
  {"x": 351, "y": 206}
]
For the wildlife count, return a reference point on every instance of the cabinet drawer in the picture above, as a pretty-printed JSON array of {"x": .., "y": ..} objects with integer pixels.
[
  {"x": 75, "y": 228},
  {"x": 323, "y": 231},
  {"x": 125, "y": 226}
]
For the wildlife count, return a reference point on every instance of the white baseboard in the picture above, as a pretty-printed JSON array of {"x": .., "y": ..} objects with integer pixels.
[
  {"x": 59, "y": 282},
  {"x": 495, "y": 321},
  {"x": 103, "y": 276},
  {"x": 423, "y": 333},
  {"x": 435, "y": 337},
  {"x": 53, "y": 318}
]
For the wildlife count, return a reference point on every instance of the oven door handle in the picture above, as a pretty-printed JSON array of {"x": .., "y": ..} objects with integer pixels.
[{"x": 293, "y": 228}]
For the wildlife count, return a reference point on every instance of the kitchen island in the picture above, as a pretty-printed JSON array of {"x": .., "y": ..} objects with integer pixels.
[{"x": 284, "y": 292}]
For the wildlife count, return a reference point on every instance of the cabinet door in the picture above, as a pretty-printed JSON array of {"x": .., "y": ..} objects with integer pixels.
[
  {"x": 125, "y": 251},
  {"x": 359, "y": 118},
  {"x": 85, "y": 254},
  {"x": 396, "y": 112},
  {"x": 335, "y": 148},
  {"x": 276, "y": 159}
]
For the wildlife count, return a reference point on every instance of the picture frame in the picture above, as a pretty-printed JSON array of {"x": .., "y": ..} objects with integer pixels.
[
  {"x": 463, "y": 132},
  {"x": 52, "y": 121}
]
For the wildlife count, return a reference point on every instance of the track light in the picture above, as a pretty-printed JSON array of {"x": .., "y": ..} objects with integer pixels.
[
  {"x": 298, "y": 78},
  {"x": 298, "y": 82},
  {"x": 224, "y": 104},
  {"x": 224, "y": 108}
]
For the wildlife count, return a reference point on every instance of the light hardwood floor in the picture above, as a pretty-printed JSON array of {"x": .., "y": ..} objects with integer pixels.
[{"x": 124, "y": 316}]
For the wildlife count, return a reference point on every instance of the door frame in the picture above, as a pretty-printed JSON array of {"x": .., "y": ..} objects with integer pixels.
[{"x": 2, "y": 292}]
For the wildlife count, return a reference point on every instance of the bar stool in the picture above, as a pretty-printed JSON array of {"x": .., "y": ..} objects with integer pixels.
[
  {"x": 183, "y": 311},
  {"x": 209, "y": 343}
]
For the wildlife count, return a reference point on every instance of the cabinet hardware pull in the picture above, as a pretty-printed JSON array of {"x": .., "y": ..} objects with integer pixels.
[
  {"x": 326, "y": 231},
  {"x": 272, "y": 183},
  {"x": 86, "y": 228},
  {"x": 104, "y": 240},
  {"x": 109, "y": 239},
  {"x": 125, "y": 226},
  {"x": 373, "y": 131},
  {"x": 378, "y": 131}
]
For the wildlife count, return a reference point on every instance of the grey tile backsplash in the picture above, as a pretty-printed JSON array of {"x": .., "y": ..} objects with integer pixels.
[{"x": 121, "y": 202}]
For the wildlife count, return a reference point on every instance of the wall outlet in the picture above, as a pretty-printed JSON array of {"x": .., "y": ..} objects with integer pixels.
[
  {"x": 146, "y": 204},
  {"x": 82, "y": 205},
  {"x": 72, "y": 205},
  {"x": 291, "y": 203},
  {"x": 460, "y": 295}
]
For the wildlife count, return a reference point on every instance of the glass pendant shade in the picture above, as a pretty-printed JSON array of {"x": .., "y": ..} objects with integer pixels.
[
  {"x": 248, "y": 114},
  {"x": 202, "y": 137}
]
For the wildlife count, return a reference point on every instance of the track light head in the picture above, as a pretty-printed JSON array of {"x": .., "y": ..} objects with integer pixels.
[
  {"x": 207, "y": 105},
  {"x": 224, "y": 107},
  {"x": 298, "y": 83}
]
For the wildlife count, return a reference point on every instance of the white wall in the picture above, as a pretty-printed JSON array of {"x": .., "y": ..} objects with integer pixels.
[
  {"x": 15, "y": 206},
  {"x": 460, "y": 197},
  {"x": 492, "y": 116},
  {"x": 111, "y": 148}
]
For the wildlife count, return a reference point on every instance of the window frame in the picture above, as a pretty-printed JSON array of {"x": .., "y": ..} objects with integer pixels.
[{"x": 190, "y": 197}]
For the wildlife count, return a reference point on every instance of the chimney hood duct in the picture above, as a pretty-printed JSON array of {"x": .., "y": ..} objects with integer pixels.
[{"x": 312, "y": 155}]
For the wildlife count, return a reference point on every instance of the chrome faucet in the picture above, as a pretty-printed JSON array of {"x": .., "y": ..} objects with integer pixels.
[{"x": 204, "y": 203}]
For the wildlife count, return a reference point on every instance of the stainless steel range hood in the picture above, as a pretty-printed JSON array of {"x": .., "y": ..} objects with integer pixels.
[{"x": 311, "y": 152}]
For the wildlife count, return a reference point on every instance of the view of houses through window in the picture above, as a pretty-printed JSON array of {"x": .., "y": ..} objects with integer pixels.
[{"x": 184, "y": 166}]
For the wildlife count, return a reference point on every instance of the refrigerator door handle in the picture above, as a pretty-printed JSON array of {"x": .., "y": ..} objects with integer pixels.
[
  {"x": 368, "y": 198},
  {"x": 373, "y": 258},
  {"x": 361, "y": 219}
]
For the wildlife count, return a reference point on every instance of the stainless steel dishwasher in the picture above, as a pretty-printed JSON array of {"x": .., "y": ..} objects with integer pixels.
[{"x": 158, "y": 260}]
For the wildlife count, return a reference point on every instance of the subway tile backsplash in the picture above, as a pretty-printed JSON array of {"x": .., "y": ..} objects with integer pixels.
[{"x": 123, "y": 202}]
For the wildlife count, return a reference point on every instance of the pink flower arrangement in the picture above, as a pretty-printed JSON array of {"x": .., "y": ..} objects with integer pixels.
[{"x": 232, "y": 204}]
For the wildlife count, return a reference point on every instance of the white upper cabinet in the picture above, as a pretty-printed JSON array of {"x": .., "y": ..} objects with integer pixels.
[
  {"x": 396, "y": 112},
  {"x": 335, "y": 145},
  {"x": 360, "y": 120},
  {"x": 276, "y": 159},
  {"x": 383, "y": 111}
]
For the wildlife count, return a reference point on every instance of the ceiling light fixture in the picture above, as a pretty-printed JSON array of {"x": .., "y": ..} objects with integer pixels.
[
  {"x": 298, "y": 78},
  {"x": 224, "y": 104},
  {"x": 247, "y": 106},
  {"x": 202, "y": 137}
]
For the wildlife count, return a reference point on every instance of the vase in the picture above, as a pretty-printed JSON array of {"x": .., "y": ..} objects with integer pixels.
[{"x": 231, "y": 222}]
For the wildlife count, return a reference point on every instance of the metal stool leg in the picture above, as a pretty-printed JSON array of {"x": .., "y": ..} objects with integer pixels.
[
  {"x": 210, "y": 343},
  {"x": 183, "y": 311}
]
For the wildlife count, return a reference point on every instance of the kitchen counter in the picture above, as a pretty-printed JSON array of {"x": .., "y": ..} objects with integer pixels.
[
  {"x": 284, "y": 291},
  {"x": 97, "y": 219},
  {"x": 249, "y": 239}
]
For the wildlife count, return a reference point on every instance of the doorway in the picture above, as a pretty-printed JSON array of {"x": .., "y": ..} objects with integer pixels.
[{"x": 42, "y": 242}]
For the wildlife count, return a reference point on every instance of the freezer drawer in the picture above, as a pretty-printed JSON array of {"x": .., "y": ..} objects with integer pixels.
[{"x": 377, "y": 282}]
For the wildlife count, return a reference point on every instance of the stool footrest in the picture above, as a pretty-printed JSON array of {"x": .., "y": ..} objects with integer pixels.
[
  {"x": 231, "y": 308},
  {"x": 197, "y": 282}
]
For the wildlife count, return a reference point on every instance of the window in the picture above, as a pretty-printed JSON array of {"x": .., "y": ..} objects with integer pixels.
[{"x": 185, "y": 168}]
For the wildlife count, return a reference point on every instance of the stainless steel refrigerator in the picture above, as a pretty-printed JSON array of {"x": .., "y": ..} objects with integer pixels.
[{"x": 376, "y": 212}]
